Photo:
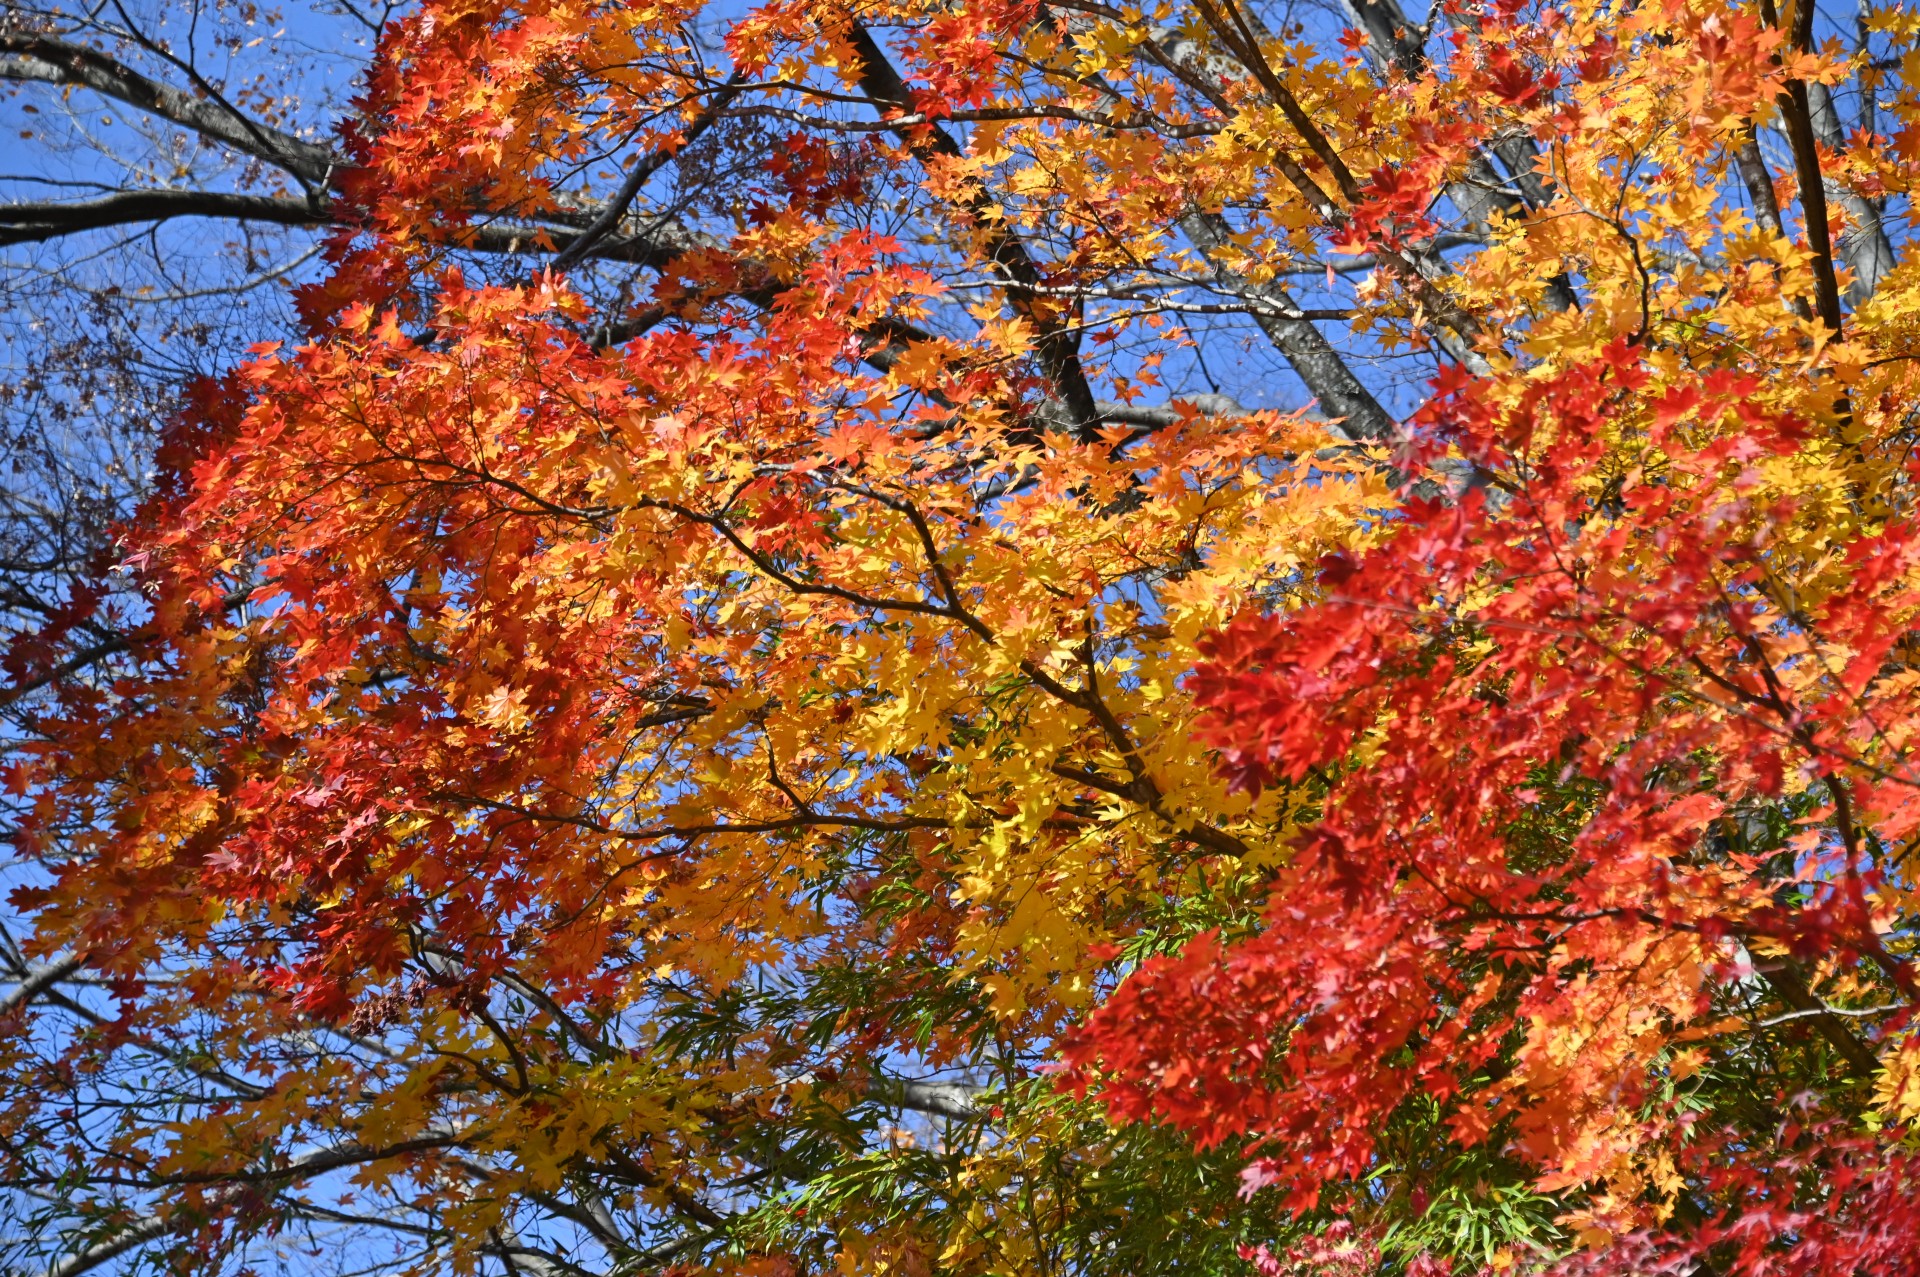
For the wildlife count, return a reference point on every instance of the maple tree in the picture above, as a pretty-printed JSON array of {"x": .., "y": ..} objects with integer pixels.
[{"x": 713, "y": 712}]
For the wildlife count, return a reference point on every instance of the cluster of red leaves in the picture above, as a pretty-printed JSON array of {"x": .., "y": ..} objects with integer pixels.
[
  {"x": 1642, "y": 649},
  {"x": 1864, "y": 1217},
  {"x": 316, "y": 801},
  {"x": 1340, "y": 1251}
]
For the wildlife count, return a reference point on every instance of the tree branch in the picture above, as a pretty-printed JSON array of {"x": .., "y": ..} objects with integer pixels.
[
  {"x": 37, "y": 222},
  {"x": 25, "y": 56},
  {"x": 35, "y": 981},
  {"x": 1058, "y": 345}
]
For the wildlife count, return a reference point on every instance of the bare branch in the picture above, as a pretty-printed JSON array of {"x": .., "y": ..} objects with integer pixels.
[
  {"x": 36, "y": 222},
  {"x": 35, "y": 981},
  {"x": 25, "y": 56}
]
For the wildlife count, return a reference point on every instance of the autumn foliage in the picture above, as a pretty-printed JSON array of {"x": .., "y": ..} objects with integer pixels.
[{"x": 823, "y": 764}]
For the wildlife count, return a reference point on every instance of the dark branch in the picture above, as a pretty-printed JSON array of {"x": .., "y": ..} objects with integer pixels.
[
  {"x": 32, "y": 223},
  {"x": 43, "y": 58},
  {"x": 1058, "y": 345}
]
